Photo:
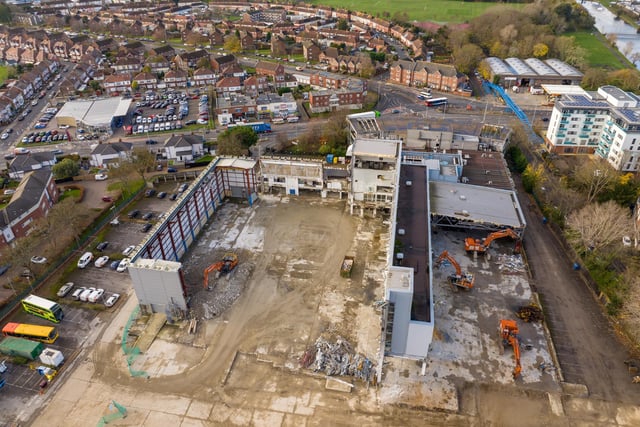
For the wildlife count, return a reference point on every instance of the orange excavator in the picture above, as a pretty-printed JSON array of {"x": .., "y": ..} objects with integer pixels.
[
  {"x": 481, "y": 246},
  {"x": 459, "y": 279},
  {"x": 508, "y": 332},
  {"x": 228, "y": 263}
]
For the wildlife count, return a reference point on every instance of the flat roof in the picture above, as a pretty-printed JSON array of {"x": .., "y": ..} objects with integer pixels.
[
  {"x": 563, "y": 89},
  {"x": 476, "y": 203},
  {"x": 230, "y": 162},
  {"x": 98, "y": 112},
  {"x": 376, "y": 148}
]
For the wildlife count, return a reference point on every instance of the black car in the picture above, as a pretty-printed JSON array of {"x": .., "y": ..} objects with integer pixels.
[
  {"x": 173, "y": 196},
  {"x": 102, "y": 246},
  {"x": 148, "y": 215},
  {"x": 4, "y": 268},
  {"x": 150, "y": 193},
  {"x": 146, "y": 227},
  {"x": 162, "y": 195},
  {"x": 151, "y": 142},
  {"x": 134, "y": 214},
  {"x": 190, "y": 122}
]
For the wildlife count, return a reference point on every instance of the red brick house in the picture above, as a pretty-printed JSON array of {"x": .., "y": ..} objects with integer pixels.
[{"x": 33, "y": 200}]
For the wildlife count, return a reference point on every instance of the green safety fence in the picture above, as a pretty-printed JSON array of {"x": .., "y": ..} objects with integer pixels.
[
  {"x": 132, "y": 352},
  {"x": 117, "y": 411}
]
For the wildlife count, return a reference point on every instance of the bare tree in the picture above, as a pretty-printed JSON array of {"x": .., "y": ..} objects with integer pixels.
[
  {"x": 598, "y": 225},
  {"x": 62, "y": 221},
  {"x": 593, "y": 178},
  {"x": 142, "y": 161}
]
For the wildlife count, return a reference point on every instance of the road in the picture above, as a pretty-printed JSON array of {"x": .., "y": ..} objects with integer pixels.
[{"x": 586, "y": 344}]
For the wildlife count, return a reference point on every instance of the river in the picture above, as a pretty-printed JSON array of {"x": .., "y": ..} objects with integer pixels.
[{"x": 628, "y": 40}]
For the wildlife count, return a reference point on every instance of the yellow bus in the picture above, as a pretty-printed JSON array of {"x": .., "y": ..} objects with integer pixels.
[{"x": 46, "y": 334}]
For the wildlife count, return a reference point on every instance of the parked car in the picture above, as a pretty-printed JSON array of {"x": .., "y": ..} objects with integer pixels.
[
  {"x": 65, "y": 289},
  {"x": 114, "y": 264},
  {"x": 107, "y": 199},
  {"x": 172, "y": 170},
  {"x": 146, "y": 227},
  {"x": 101, "y": 176},
  {"x": 162, "y": 195},
  {"x": 110, "y": 302},
  {"x": 124, "y": 264},
  {"x": 102, "y": 261},
  {"x": 76, "y": 294},
  {"x": 150, "y": 193},
  {"x": 102, "y": 246},
  {"x": 148, "y": 215},
  {"x": 85, "y": 295},
  {"x": 173, "y": 196},
  {"x": 96, "y": 295},
  {"x": 38, "y": 259},
  {"x": 134, "y": 213},
  {"x": 128, "y": 250},
  {"x": 85, "y": 259},
  {"x": 183, "y": 188}
]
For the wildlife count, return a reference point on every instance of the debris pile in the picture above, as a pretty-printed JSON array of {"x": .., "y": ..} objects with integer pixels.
[
  {"x": 510, "y": 264},
  {"x": 530, "y": 313},
  {"x": 337, "y": 358}
]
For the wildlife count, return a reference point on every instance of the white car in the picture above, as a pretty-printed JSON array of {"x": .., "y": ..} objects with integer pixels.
[
  {"x": 102, "y": 261},
  {"x": 76, "y": 294},
  {"x": 101, "y": 176},
  {"x": 65, "y": 289},
  {"x": 85, "y": 294},
  {"x": 112, "y": 300},
  {"x": 95, "y": 295},
  {"x": 124, "y": 264},
  {"x": 4, "y": 136},
  {"x": 128, "y": 250},
  {"x": 85, "y": 259},
  {"x": 38, "y": 259}
]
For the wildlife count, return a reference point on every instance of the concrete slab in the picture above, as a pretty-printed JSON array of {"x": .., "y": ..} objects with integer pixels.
[
  {"x": 169, "y": 403},
  {"x": 199, "y": 409},
  {"x": 240, "y": 417},
  {"x": 155, "y": 323},
  {"x": 587, "y": 409},
  {"x": 291, "y": 420},
  {"x": 283, "y": 404},
  {"x": 555, "y": 402},
  {"x": 337, "y": 384},
  {"x": 267, "y": 418},
  {"x": 221, "y": 413},
  {"x": 73, "y": 389},
  {"x": 193, "y": 422},
  {"x": 628, "y": 415},
  {"x": 155, "y": 419}
]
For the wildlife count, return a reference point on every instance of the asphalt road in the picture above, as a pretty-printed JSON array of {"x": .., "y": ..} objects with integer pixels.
[{"x": 587, "y": 346}]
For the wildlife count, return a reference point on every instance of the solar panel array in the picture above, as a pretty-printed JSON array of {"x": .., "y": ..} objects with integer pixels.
[
  {"x": 631, "y": 115},
  {"x": 581, "y": 101}
]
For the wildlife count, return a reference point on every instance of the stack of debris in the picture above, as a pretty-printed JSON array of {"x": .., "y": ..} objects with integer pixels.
[
  {"x": 530, "y": 313},
  {"x": 338, "y": 358},
  {"x": 510, "y": 264}
]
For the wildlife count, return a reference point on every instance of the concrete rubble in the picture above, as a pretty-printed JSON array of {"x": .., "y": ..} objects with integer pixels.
[
  {"x": 338, "y": 358},
  {"x": 510, "y": 264}
]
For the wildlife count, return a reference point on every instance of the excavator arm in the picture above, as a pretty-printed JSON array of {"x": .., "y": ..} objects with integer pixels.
[
  {"x": 228, "y": 263},
  {"x": 213, "y": 267},
  {"x": 516, "y": 353},
  {"x": 509, "y": 336},
  {"x": 481, "y": 246},
  {"x": 459, "y": 279}
]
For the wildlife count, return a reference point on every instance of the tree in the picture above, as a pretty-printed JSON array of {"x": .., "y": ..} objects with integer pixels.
[
  {"x": 597, "y": 226},
  {"x": 540, "y": 50},
  {"x": 67, "y": 168},
  {"x": 467, "y": 58},
  {"x": 134, "y": 85},
  {"x": 593, "y": 179},
  {"x": 203, "y": 62},
  {"x": 232, "y": 44},
  {"x": 594, "y": 78},
  {"x": 142, "y": 161},
  {"x": 237, "y": 140},
  {"x": 343, "y": 24},
  {"x": 61, "y": 221},
  {"x": 533, "y": 178},
  {"x": 22, "y": 250}
]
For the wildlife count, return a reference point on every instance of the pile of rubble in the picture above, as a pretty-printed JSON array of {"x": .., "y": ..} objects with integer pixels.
[
  {"x": 338, "y": 358},
  {"x": 510, "y": 264}
]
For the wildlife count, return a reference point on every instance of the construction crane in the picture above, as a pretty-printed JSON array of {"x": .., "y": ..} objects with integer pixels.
[
  {"x": 457, "y": 279},
  {"x": 508, "y": 332},
  {"x": 481, "y": 246},
  {"x": 228, "y": 263}
]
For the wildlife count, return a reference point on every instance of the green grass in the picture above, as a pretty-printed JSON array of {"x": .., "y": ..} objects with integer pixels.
[
  {"x": 599, "y": 55},
  {"x": 442, "y": 11},
  {"x": 4, "y": 73},
  {"x": 71, "y": 192}
]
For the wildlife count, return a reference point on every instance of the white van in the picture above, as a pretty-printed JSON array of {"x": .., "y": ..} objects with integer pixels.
[
  {"x": 85, "y": 259},
  {"x": 84, "y": 296}
]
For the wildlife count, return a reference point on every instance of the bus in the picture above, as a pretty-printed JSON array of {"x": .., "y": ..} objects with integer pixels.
[
  {"x": 258, "y": 127},
  {"x": 434, "y": 102},
  {"x": 424, "y": 95},
  {"x": 42, "y": 307},
  {"x": 46, "y": 334}
]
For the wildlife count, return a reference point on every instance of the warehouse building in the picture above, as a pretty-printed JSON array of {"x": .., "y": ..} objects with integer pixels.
[
  {"x": 529, "y": 73},
  {"x": 99, "y": 115}
]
